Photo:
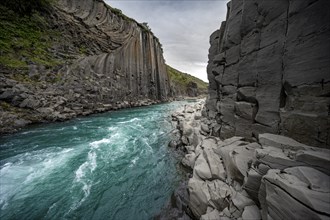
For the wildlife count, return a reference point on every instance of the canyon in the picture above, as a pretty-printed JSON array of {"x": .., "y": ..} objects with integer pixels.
[
  {"x": 256, "y": 148},
  {"x": 78, "y": 58},
  {"x": 259, "y": 147}
]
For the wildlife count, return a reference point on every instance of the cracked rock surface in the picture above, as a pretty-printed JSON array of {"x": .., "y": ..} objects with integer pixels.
[
  {"x": 122, "y": 66},
  {"x": 272, "y": 178},
  {"x": 268, "y": 69}
]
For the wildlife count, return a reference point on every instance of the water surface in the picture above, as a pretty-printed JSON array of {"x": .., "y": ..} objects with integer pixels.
[{"x": 113, "y": 165}]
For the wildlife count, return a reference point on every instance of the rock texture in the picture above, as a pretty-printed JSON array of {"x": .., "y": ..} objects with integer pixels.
[
  {"x": 272, "y": 178},
  {"x": 269, "y": 66},
  {"x": 110, "y": 62}
]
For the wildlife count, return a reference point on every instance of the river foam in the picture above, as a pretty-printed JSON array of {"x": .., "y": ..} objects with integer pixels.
[{"x": 107, "y": 166}]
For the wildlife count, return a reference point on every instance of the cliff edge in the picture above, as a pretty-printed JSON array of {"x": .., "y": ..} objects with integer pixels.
[
  {"x": 269, "y": 66},
  {"x": 68, "y": 57}
]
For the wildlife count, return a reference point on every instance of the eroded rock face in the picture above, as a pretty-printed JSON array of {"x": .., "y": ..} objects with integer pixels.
[
  {"x": 109, "y": 62},
  {"x": 268, "y": 69},
  {"x": 295, "y": 193},
  {"x": 274, "y": 177}
]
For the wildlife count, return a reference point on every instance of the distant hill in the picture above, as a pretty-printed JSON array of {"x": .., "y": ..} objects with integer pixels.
[{"x": 184, "y": 84}]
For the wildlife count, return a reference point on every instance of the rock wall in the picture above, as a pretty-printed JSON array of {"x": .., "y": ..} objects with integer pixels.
[
  {"x": 272, "y": 178},
  {"x": 109, "y": 61},
  {"x": 132, "y": 68},
  {"x": 269, "y": 66}
]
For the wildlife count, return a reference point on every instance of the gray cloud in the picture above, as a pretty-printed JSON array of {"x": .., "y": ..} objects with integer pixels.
[{"x": 183, "y": 28}]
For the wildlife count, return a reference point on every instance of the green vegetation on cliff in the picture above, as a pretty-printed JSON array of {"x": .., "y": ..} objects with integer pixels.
[
  {"x": 25, "y": 36},
  {"x": 184, "y": 80}
]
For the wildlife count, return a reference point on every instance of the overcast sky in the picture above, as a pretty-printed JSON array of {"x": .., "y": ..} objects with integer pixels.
[{"x": 183, "y": 28}]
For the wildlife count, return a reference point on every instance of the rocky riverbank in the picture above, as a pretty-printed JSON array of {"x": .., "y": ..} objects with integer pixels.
[
  {"x": 78, "y": 59},
  {"x": 22, "y": 104},
  {"x": 273, "y": 177}
]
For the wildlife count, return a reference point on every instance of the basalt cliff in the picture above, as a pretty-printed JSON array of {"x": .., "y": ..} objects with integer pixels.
[
  {"x": 259, "y": 147},
  {"x": 60, "y": 59},
  {"x": 269, "y": 71}
]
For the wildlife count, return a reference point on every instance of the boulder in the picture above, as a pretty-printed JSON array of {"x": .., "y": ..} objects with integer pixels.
[
  {"x": 201, "y": 168},
  {"x": 213, "y": 215},
  {"x": 205, "y": 128},
  {"x": 295, "y": 193},
  {"x": 189, "y": 160},
  {"x": 251, "y": 212},
  {"x": 238, "y": 159},
  {"x": 240, "y": 200},
  {"x": 198, "y": 196},
  {"x": 215, "y": 164},
  {"x": 220, "y": 193}
]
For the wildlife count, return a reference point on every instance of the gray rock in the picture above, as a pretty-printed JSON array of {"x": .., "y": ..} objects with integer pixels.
[
  {"x": 245, "y": 110},
  {"x": 201, "y": 168},
  {"x": 198, "y": 196},
  {"x": 259, "y": 56},
  {"x": 252, "y": 184},
  {"x": 296, "y": 193},
  {"x": 213, "y": 215},
  {"x": 216, "y": 167},
  {"x": 205, "y": 128},
  {"x": 220, "y": 193},
  {"x": 237, "y": 160},
  {"x": 189, "y": 160},
  {"x": 21, "y": 122},
  {"x": 280, "y": 142},
  {"x": 251, "y": 212},
  {"x": 319, "y": 160},
  {"x": 275, "y": 158}
]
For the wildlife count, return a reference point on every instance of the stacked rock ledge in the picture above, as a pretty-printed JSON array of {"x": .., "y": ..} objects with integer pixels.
[
  {"x": 274, "y": 177},
  {"x": 268, "y": 71}
]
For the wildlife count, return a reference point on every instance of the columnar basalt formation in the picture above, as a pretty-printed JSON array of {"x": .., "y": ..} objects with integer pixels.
[
  {"x": 108, "y": 61},
  {"x": 269, "y": 66},
  {"x": 131, "y": 65}
]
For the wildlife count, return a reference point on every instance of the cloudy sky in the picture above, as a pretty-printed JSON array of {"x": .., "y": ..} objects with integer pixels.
[{"x": 183, "y": 27}]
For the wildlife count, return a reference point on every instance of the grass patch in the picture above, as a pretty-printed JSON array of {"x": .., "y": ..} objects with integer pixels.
[
  {"x": 25, "y": 39},
  {"x": 183, "y": 79}
]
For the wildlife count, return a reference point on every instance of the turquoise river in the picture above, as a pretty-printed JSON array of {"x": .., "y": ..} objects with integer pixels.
[{"x": 114, "y": 165}]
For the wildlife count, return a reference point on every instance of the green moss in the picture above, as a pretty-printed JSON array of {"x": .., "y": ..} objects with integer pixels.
[
  {"x": 12, "y": 62},
  {"x": 83, "y": 50},
  {"x": 23, "y": 77},
  {"x": 25, "y": 39},
  {"x": 183, "y": 79}
]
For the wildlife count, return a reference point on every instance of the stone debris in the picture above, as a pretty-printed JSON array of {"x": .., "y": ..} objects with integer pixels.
[{"x": 274, "y": 177}]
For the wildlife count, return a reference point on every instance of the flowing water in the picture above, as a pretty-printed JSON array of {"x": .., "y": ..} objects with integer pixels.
[{"x": 113, "y": 165}]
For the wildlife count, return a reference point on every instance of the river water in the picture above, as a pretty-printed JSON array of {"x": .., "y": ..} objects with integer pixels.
[{"x": 114, "y": 165}]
